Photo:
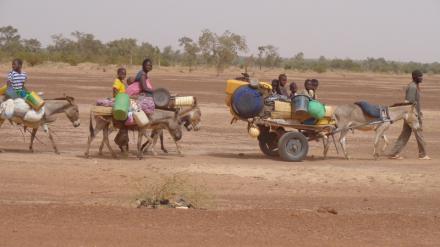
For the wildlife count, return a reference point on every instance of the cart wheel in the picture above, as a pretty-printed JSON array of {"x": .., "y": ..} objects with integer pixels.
[
  {"x": 293, "y": 146},
  {"x": 268, "y": 142}
]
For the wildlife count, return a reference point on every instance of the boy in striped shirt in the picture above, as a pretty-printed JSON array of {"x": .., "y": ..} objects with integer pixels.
[{"x": 16, "y": 80}]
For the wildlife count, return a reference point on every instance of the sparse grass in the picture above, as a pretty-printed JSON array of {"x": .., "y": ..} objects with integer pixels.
[{"x": 171, "y": 190}]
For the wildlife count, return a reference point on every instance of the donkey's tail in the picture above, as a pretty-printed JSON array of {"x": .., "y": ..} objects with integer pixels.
[{"x": 91, "y": 128}]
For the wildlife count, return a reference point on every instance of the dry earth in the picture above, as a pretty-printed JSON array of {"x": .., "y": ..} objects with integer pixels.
[{"x": 67, "y": 200}]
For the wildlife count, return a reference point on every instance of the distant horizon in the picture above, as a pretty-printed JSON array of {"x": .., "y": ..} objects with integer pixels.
[
  {"x": 334, "y": 29},
  {"x": 241, "y": 55}
]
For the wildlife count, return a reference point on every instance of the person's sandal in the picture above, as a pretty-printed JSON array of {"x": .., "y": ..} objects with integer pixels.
[
  {"x": 396, "y": 157},
  {"x": 426, "y": 157}
]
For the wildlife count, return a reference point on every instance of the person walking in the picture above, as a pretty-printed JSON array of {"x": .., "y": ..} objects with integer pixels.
[{"x": 412, "y": 95}]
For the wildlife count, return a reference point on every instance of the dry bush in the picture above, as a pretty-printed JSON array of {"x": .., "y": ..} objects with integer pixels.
[{"x": 172, "y": 191}]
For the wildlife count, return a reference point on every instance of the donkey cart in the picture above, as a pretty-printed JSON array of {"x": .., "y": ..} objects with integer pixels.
[
  {"x": 288, "y": 139},
  {"x": 282, "y": 126}
]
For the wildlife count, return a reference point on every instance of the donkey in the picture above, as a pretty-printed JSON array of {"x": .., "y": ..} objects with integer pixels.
[
  {"x": 190, "y": 118},
  {"x": 159, "y": 120},
  {"x": 351, "y": 117},
  {"x": 52, "y": 108}
]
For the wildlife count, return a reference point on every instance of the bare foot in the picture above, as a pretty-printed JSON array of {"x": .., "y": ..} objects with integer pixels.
[
  {"x": 426, "y": 157},
  {"x": 396, "y": 157}
]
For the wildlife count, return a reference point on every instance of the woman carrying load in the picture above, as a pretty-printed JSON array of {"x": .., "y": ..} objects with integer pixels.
[{"x": 145, "y": 99}]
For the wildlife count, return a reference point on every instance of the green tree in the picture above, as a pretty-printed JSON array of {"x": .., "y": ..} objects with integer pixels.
[
  {"x": 89, "y": 48},
  {"x": 229, "y": 45},
  {"x": 169, "y": 56},
  {"x": 320, "y": 65},
  {"x": 32, "y": 52},
  {"x": 191, "y": 49},
  {"x": 31, "y": 45},
  {"x": 260, "y": 59},
  {"x": 268, "y": 56},
  {"x": 145, "y": 50},
  {"x": 298, "y": 62},
  {"x": 63, "y": 50},
  {"x": 121, "y": 50},
  {"x": 208, "y": 42},
  {"x": 10, "y": 40}
]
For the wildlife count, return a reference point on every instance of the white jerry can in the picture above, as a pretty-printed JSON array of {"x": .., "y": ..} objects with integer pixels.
[
  {"x": 140, "y": 118},
  {"x": 184, "y": 101}
]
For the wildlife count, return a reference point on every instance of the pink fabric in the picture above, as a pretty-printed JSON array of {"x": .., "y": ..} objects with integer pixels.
[
  {"x": 105, "y": 102},
  {"x": 146, "y": 104},
  {"x": 149, "y": 84},
  {"x": 133, "y": 89},
  {"x": 130, "y": 120}
]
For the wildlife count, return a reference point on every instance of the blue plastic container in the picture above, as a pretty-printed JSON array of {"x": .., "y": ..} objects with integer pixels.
[{"x": 247, "y": 102}]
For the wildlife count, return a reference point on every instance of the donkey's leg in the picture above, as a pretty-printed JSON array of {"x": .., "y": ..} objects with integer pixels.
[
  {"x": 54, "y": 146},
  {"x": 33, "y": 134},
  {"x": 101, "y": 146},
  {"x": 152, "y": 141},
  {"x": 141, "y": 133},
  {"x": 162, "y": 146},
  {"x": 380, "y": 130},
  {"x": 179, "y": 151},
  {"x": 99, "y": 126},
  {"x": 343, "y": 142},
  {"x": 386, "y": 142},
  {"x": 377, "y": 138},
  {"x": 148, "y": 143},
  {"x": 326, "y": 143},
  {"x": 107, "y": 142}
]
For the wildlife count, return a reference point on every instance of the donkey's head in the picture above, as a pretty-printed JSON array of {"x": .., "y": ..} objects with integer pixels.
[
  {"x": 175, "y": 129},
  {"x": 412, "y": 117},
  {"x": 191, "y": 118},
  {"x": 72, "y": 111}
]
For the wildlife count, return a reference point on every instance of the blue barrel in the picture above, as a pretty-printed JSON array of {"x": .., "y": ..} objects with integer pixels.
[
  {"x": 247, "y": 102},
  {"x": 301, "y": 103}
]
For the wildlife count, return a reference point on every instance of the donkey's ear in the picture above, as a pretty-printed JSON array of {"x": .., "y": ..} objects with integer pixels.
[{"x": 69, "y": 99}]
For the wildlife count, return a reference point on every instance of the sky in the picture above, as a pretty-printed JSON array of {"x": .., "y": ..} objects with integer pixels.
[{"x": 400, "y": 30}]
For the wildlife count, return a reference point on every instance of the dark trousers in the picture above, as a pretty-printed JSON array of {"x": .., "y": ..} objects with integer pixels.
[{"x": 404, "y": 137}]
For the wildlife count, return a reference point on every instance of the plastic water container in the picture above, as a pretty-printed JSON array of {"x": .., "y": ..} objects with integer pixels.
[
  {"x": 232, "y": 85},
  {"x": 247, "y": 102},
  {"x": 34, "y": 100},
  {"x": 121, "y": 106},
  {"x": 140, "y": 118},
  {"x": 316, "y": 109},
  {"x": 3, "y": 89},
  {"x": 184, "y": 101},
  {"x": 301, "y": 104}
]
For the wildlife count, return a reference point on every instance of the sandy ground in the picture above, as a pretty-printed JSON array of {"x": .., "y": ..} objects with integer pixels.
[{"x": 67, "y": 200}]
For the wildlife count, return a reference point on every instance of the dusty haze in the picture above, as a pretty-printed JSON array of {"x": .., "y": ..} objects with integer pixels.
[{"x": 397, "y": 30}]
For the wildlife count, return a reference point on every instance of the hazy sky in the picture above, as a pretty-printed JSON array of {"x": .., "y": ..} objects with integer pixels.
[{"x": 395, "y": 29}]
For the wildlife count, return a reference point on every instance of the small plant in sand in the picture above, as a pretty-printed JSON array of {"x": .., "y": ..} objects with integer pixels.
[{"x": 173, "y": 191}]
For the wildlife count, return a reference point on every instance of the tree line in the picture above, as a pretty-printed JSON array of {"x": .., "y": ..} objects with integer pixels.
[{"x": 219, "y": 51}]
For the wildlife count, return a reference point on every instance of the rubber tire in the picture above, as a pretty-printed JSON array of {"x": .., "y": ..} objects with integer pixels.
[
  {"x": 263, "y": 141},
  {"x": 284, "y": 150}
]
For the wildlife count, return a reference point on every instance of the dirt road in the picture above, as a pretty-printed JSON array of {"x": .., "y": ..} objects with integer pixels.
[{"x": 67, "y": 200}]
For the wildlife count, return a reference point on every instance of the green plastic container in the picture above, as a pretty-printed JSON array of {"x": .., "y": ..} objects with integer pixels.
[
  {"x": 316, "y": 109},
  {"x": 121, "y": 106}
]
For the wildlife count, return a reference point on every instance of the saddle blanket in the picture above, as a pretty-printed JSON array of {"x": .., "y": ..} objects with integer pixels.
[{"x": 375, "y": 111}]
